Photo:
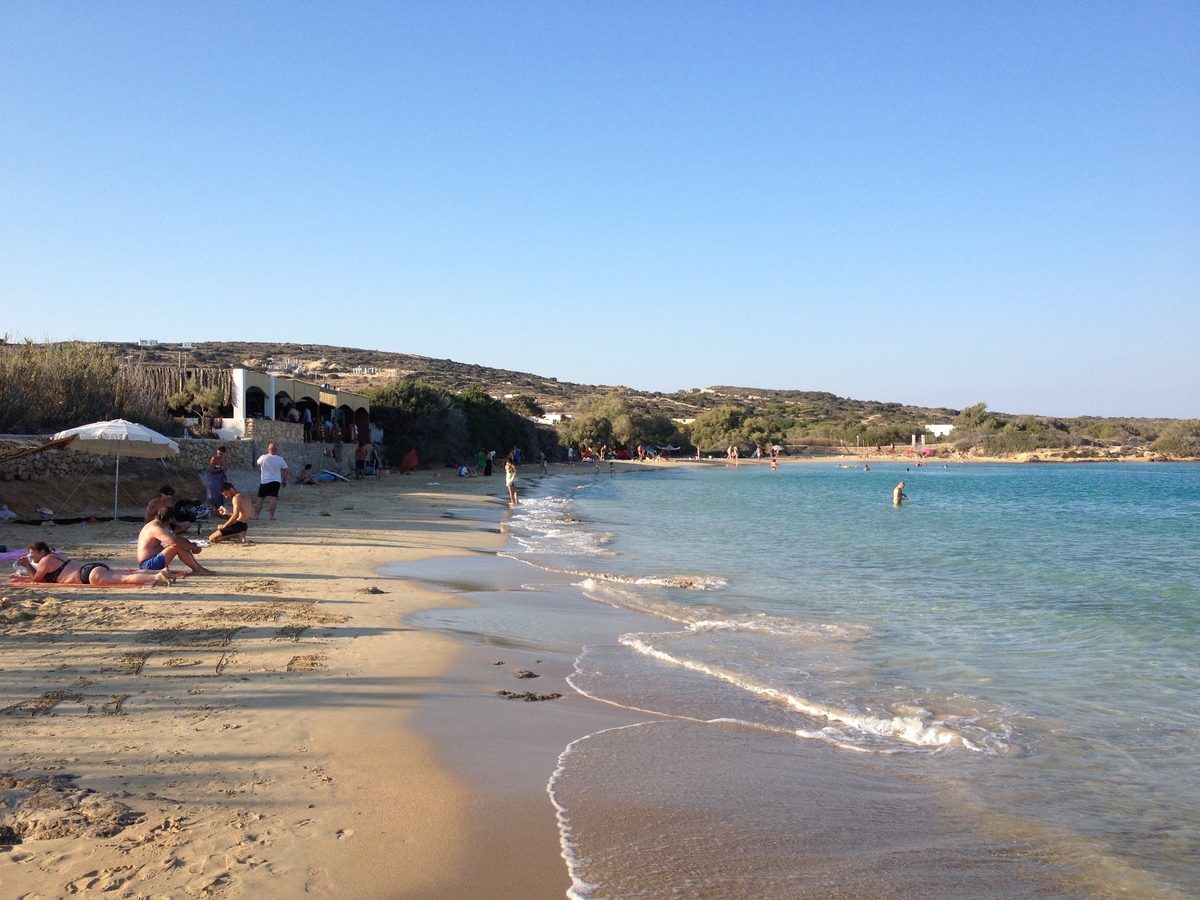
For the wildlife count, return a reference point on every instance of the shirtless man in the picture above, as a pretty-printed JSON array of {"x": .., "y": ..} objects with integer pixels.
[
  {"x": 165, "y": 500},
  {"x": 898, "y": 495},
  {"x": 360, "y": 461},
  {"x": 238, "y": 512},
  {"x": 158, "y": 545}
]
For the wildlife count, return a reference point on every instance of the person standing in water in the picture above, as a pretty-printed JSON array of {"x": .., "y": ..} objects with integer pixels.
[
  {"x": 898, "y": 495},
  {"x": 510, "y": 479}
]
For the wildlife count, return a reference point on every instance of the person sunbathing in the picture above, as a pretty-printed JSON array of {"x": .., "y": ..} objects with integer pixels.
[{"x": 50, "y": 567}]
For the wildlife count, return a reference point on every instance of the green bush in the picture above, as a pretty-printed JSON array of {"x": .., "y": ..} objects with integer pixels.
[
  {"x": 1180, "y": 438},
  {"x": 415, "y": 415},
  {"x": 450, "y": 428},
  {"x": 614, "y": 421}
]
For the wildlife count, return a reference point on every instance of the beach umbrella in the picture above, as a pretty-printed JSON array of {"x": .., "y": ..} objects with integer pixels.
[{"x": 120, "y": 438}]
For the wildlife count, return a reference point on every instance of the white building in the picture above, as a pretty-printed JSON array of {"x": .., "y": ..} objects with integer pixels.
[{"x": 939, "y": 430}]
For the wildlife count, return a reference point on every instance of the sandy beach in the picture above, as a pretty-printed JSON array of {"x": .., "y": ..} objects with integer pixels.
[{"x": 249, "y": 732}]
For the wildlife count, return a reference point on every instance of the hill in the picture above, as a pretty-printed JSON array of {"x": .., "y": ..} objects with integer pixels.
[
  {"x": 348, "y": 368},
  {"x": 710, "y": 416}
]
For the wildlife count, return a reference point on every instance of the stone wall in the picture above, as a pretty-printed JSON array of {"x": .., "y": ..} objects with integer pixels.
[
  {"x": 43, "y": 465},
  {"x": 263, "y": 431},
  {"x": 194, "y": 454},
  {"x": 298, "y": 455}
]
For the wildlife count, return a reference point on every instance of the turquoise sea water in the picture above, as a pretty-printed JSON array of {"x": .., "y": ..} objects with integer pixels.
[
  {"x": 996, "y": 682},
  {"x": 990, "y": 691}
]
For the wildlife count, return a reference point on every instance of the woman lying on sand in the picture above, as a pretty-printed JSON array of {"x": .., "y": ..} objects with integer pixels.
[{"x": 49, "y": 567}]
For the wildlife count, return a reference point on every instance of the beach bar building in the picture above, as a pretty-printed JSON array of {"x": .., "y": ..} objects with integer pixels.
[{"x": 276, "y": 407}]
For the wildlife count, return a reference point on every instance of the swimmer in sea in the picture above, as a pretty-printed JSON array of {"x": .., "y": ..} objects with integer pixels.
[{"x": 898, "y": 495}]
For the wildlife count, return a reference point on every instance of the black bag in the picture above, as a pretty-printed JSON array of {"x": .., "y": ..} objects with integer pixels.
[{"x": 190, "y": 511}]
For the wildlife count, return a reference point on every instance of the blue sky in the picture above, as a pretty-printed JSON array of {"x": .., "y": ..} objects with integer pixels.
[{"x": 929, "y": 203}]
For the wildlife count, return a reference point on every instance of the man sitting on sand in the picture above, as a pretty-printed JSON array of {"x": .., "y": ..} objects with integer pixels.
[
  {"x": 158, "y": 545},
  {"x": 238, "y": 512},
  {"x": 306, "y": 476},
  {"x": 165, "y": 500},
  {"x": 49, "y": 567}
]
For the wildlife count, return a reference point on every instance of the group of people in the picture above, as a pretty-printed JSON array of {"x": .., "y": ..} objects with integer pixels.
[
  {"x": 161, "y": 540},
  {"x": 367, "y": 457}
]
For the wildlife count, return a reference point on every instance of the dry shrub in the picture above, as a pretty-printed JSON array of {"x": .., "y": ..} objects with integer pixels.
[{"x": 51, "y": 386}]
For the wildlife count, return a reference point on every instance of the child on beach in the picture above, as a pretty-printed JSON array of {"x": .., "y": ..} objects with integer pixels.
[{"x": 510, "y": 479}]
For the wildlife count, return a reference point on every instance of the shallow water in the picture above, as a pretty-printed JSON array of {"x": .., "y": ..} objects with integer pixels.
[{"x": 990, "y": 691}]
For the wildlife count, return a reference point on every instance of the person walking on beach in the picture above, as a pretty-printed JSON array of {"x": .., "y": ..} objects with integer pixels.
[
  {"x": 238, "y": 512},
  {"x": 898, "y": 495},
  {"x": 273, "y": 472},
  {"x": 510, "y": 479}
]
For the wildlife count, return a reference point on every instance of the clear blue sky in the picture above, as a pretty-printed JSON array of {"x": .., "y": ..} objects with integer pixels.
[{"x": 930, "y": 203}]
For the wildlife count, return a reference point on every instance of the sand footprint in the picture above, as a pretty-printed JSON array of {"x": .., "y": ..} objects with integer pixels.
[
  {"x": 343, "y": 833},
  {"x": 109, "y": 880}
]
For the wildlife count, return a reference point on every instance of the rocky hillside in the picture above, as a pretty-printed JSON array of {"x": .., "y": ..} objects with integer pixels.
[{"x": 356, "y": 369}]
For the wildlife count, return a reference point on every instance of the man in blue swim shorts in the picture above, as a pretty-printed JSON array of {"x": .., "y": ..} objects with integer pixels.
[{"x": 158, "y": 545}]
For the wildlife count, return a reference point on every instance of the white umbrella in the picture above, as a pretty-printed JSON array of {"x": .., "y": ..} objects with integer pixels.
[{"x": 120, "y": 438}]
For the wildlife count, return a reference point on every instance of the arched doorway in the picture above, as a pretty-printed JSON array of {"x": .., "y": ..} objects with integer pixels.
[{"x": 256, "y": 403}]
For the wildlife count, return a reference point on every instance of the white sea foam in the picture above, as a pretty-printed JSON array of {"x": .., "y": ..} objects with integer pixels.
[
  {"x": 911, "y": 729},
  {"x": 580, "y": 889},
  {"x": 776, "y": 625}
]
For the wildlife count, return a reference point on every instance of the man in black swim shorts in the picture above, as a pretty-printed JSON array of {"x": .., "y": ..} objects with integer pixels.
[
  {"x": 238, "y": 510},
  {"x": 273, "y": 473}
]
